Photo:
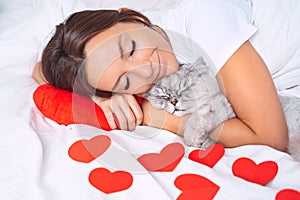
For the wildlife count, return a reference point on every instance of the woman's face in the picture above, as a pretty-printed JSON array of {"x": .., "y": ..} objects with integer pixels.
[{"x": 128, "y": 58}]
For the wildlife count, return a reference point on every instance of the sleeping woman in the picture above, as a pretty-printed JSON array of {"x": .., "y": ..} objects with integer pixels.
[{"x": 112, "y": 55}]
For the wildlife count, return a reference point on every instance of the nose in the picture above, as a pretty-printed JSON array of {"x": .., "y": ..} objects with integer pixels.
[
  {"x": 144, "y": 70},
  {"x": 144, "y": 63},
  {"x": 173, "y": 100}
]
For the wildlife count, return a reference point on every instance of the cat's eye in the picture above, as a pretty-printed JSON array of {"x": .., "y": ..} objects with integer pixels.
[{"x": 165, "y": 97}]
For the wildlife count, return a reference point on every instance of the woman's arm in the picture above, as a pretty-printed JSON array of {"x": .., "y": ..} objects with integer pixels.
[
  {"x": 247, "y": 83},
  {"x": 163, "y": 119}
]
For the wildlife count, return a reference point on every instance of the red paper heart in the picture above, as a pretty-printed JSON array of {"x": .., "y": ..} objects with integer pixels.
[
  {"x": 288, "y": 194},
  {"x": 165, "y": 161},
  {"x": 262, "y": 173},
  {"x": 195, "y": 187},
  {"x": 208, "y": 157},
  {"x": 108, "y": 182},
  {"x": 88, "y": 150}
]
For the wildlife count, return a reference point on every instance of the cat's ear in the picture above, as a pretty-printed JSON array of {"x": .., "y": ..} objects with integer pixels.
[
  {"x": 188, "y": 70},
  {"x": 201, "y": 66},
  {"x": 200, "y": 61}
]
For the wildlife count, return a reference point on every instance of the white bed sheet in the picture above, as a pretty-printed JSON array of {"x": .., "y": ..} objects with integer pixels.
[{"x": 35, "y": 164}]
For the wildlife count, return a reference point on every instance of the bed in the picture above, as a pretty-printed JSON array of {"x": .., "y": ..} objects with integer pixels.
[{"x": 41, "y": 159}]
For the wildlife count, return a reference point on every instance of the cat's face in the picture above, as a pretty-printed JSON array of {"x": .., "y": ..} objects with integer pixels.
[{"x": 180, "y": 93}]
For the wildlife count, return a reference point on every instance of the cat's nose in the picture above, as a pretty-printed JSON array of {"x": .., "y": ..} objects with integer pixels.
[{"x": 173, "y": 100}]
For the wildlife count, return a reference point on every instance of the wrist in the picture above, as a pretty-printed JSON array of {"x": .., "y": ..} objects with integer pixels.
[{"x": 176, "y": 124}]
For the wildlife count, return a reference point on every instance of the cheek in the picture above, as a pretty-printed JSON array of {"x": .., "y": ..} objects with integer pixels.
[
  {"x": 108, "y": 78},
  {"x": 170, "y": 62},
  {"x": 139, "y": 83},
  {"x": 141, "y": 89}
]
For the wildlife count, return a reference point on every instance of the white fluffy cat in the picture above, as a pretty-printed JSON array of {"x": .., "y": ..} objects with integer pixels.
[{"x": 194, "y": 90}]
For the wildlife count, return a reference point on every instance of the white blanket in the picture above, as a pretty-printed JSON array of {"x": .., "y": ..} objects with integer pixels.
[{"x": 35, "y": 156}]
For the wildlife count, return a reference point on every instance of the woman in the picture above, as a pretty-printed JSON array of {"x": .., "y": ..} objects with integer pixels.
[{"x": 105, "y": 52}]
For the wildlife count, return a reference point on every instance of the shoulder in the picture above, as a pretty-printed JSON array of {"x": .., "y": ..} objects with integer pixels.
[{"x": 217, "y": 26}]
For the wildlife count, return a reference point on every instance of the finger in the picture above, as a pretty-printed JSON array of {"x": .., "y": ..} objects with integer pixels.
[
  {"x": 109, "y": 117},
  {"x": 137, "y": 111},
  {"x": 121, "y": 118},
  {"x": 106, "y": 110},
  {"x": 131, "y": 120},
  {"x": 121, "y": 106},
  {"x": 116, "y": 120},
  {"x": 130, "y": 116}
]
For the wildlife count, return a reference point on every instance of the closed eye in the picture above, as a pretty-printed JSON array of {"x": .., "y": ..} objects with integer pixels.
[
  {"x": 133, "y": 46},
  {"x": 122, "y": 83},
  {"x": 127, "y": 84},
  {"x": 164, "y": 97}
]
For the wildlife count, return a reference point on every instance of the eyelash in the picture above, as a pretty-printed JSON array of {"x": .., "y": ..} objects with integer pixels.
[
  {"x": 127, "y": 83},
  {"x": 133, "y": 44}
]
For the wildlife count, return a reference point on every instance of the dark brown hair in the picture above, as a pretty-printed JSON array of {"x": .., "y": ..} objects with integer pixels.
[{"x": 63, "y": 57}]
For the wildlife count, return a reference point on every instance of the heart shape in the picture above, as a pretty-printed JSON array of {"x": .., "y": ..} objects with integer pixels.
[
  {"x": 288, "y": 194},
  {"x": 262, "y": 173},
  {"x": 165, "y": 161},
  {"x": 87, "y": 150},
  {"x": 195, "y": 187},
  {"x": 109, "y": 182},
  {"x": 208, "y": 157}
]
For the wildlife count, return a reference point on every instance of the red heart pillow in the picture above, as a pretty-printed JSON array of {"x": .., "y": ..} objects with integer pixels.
[{"x": 66, "y": 107}]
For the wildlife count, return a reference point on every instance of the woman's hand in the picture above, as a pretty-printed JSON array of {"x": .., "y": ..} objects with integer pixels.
[
  {"x": 162, "y": 119},
  {"x": 121, "y": 110}
]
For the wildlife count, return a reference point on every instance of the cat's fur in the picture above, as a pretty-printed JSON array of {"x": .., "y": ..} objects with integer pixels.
[
  {"x": 194, "y": 90},
  {"x": 291, "y": 109}
]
